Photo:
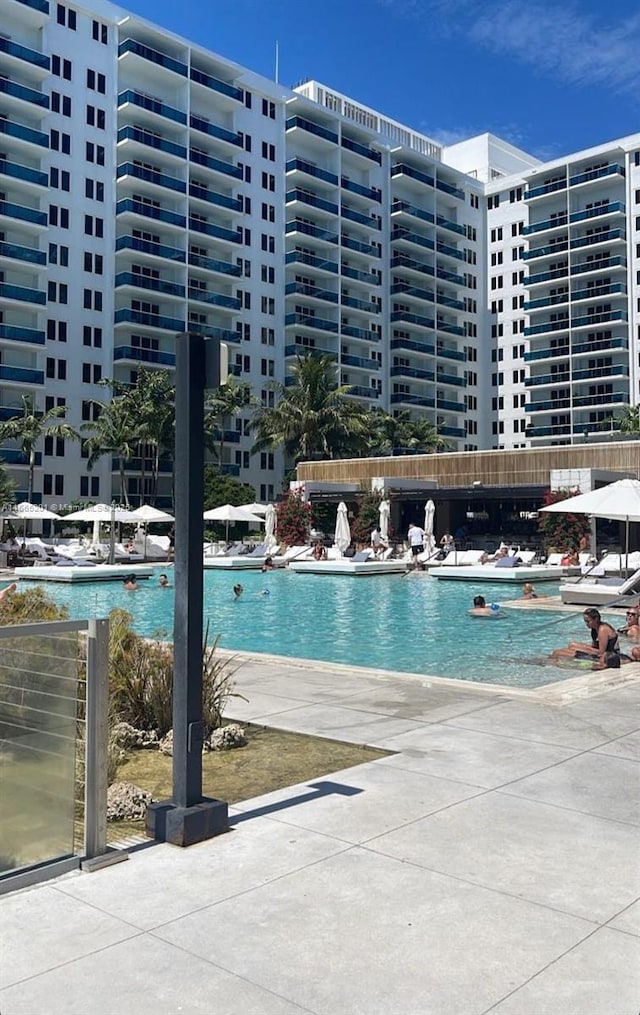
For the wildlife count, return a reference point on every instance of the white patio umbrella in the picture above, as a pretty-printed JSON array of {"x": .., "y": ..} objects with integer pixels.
[
  {"x": 270, "y": 527},
  {"x": 384, "y": 512},
  {"x": 618, "y": 501},
  {"x": 25, "y": 511},
  {"x": 342, "y": 535},
  {"x": 429, "y": 516},
  {"x": 230, "y": 513},
  {"x": 145, "y": 514},
  {"x": 97, "y": 513},
  {"x": 255, "y": 508}
]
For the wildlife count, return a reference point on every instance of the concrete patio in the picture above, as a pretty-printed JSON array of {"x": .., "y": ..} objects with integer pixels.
[{"x": 490, "y": 864}]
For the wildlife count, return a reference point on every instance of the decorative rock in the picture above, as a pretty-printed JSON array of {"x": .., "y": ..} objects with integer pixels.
[
  {"x": 166, "y": 744},
  {"x": 129, "y": 738},
  {"x": 226, "y": 738},
  {"x": 126, "y": 802}
]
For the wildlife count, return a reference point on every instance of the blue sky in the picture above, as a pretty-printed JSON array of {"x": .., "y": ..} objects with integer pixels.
[{"x": 550, "y": 76}]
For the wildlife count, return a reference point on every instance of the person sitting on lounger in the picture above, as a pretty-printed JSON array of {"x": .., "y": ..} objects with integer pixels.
[
  {"x": 570, "y": 559},
  {"x": 319, "y": 551},
  {"x": 604, "y": 639}
]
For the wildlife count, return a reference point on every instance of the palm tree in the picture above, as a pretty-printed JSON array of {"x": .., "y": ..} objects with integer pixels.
[
  {"x": 222, "y": 406},
  {"x": 151, "y": 405},
  {"x": 312, "y": 417},
  {"x": 402, "y": 434},
  {"x": 630, "y": 420},
  {"x": 30, "y": 427},
  {"x": 114, "y": 432}
]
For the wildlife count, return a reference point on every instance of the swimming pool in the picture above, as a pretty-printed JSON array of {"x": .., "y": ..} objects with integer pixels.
[{"x": 404, "y": 624}]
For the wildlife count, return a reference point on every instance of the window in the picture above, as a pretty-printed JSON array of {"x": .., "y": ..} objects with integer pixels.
[
  {"x": 92, "y": 336},
  {"x": 474, "y": 200},
  {"x": 60, "y": 67},
  {"x": 268, "y": 273},
  {"x": 515, "y": 195},
  {"x": 268, "y": 243},
  {"x": 58, "y": 255},
  {"x": 56, "y": 368},
  {"x": 93, "y": 226},
  {"x": 100, "y": 32},
  {"x": 57, "y": 292},
  {"x": 493, "y": 201},
  {"x": 59, "y": 178},
  {"x": 268, "y": 212},
  {"x": 268, "y": 336},
  {"x": 268, "y": 305},
  {"x": 268, "y": 151},
  {"x": 267, "y": 367},
  {"x": 66, "y": 16},
  {"x": 59, "y": 142},
  {"x": 268, "y": 181},
  {"x": 269, "y": 109},
  {"x": 246, "y": 172}
]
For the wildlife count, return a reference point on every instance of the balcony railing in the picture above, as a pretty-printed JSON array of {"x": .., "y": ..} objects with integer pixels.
[
  {"x": 301, "y": 289},
  {"x": 312, "y": 128},
  {"x": 222, "y": 87},
  {"x": 302, "y": 166},
  {"x": 308, "y": 321},
  {"x": 212, "y": 129},
  {"x": 153, "y": 55},
  {"x": 24, "y": 53},
  {"x": 597, "y": 174},
  {"x": 210, "y": 229},
  {"x": 22, "y": 293},
  {"x": 548, "y": 251},
  {"x": 422, "y": 322},
  {"x": 360, "y": 149},
  {"x": 453, "y": 227},
  {"x": 539, "y": 227},
  {"x": 612, "y": 208},
  {"x": 19, "y": 253},
  {"x": 371, "y": 249},
  {"x": 26, "y": 173},
  {"x": 362, "y": 362},
  {"x": 156, "y": 285},
  {"x": 298, "y": 226},
  {"x": 400, "y": 169},
  {"x": 356, "y": 216},
  {"x": 144, "y": 355},
  {"x": 366, "y": 306},
  {"x": 128, "y": 316},
  {"x": 398, "y": 206},
  {"x": 149, "y": 247},
  {"x": 413, "y": 346},
  {"x": 24, "y": 133},
  {"x": 152, "y": 105},
  {"x": 210, "y": 264},
  {"x": 364, "y": 334},
  {"x": 422, "y": 375},
  {"x": 449, "y": 188},
  {"x": 582, "y": 348},
  {"x": 144, "y": 137},
  {"x": 36, "y": 5},
  {"x": 371, "y": 193},
  {"x": 599, "y": 237},
  {"x": 18, "y": 91},
  {"x": 298, "y": 257},
  {"x": 311, "y": 199},
  {"x": 151, "y": 176},
  {"x": 426, "y": 401},
  {"x": 150, "y": 211},
  {"x": 402, "y": 261},
  {"x": 545, "y": 188},
  {"x": 214, "y": 299},
  {"x": 212, "y": 197},
  {"x": 410, "y": 237},
  {"x": 15, "y": 334},
  {"x": 369, "y": 277},
  {"x": 217, "y": 165},
  {"x": 23, "y": 375}
]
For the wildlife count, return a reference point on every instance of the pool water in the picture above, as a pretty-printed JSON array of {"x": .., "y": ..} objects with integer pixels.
[{"x": 412, "y": 624}]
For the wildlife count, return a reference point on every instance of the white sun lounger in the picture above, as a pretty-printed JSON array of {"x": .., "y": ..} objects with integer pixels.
[{"x": 602, "y": 591}]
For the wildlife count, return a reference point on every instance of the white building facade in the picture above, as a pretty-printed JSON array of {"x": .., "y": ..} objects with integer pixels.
[{"x": 150, "y": 187}]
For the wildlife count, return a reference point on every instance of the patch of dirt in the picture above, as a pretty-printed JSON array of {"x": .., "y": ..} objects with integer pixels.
[{"x": 272, "y": 759}]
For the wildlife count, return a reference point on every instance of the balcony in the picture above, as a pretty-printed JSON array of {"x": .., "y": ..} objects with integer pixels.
[
  {"x": 229, "y": 235},
  {"x": 361, "y": 362},
  {"x": 150, "y": 176},
  {"x": 213, "y": 331},
  {"x": 412, "y": 346},
  {"x": 541, "y": 329},
  {"x": 299, "y": 122},
  {"x": 22, "y": 294},
  {"x": 18, "y": 172},
  {"x": 416, "y": 239},
  {"x": 368, "y": 277},
  {"x": 415, "y": 372},
  {"x": 233, "y": 204},
  {"x": 597, "y": 174},
  {"x": 309, "y": 321},
  {"x": 370, "y": 193},
  {"x": 216, "y": 85},
  {"x": 40, "y": 6},
  {"x": 363, "y": 150},
  {"x": 214, "y": 299},
  {"x": 602, "y": 265},
  {"x": 20, "y": 375},
  {"x": 144, "y": 355},
  {"x": 548, "y": 301},
  {"x": 298, "y": 288},
  {"x": 156, "y": 285},
  {"x": 370, "y": 249},
  {"x": 548, "y": 251},
  {"x": 153, "y": 56},
  {"x": 611, "y": 315},
  {"x": 14, "y": 334},
  {"x": 311, "y": 261},
  {"x": 298, "y": 349},
  {"x": 13, "y": 456},
  {"x": 400, "y": 169},
  {"x": 602, "y": 236},
  {"x": 593, "y": 292},
  {"x": 561, "y": 430},
  {"x": 148, "y": 247},
  {"x": 212, "y": 130},
  {"x": 128, "y": 316},
  {"x": 30, "y": 56},
  {"x": 453, "y": 227},
  {"x": 442, "y": 248},
  {"x": 18, "y": 253},
  {"x": 366, "y": 306},
  {"x": 451, "y": 379},
  {"x": 370, "y": 221},
  {"x": 547, "y": 276},
  {"x": 215, "y": 165},
  {"x": 149, "y": 211},
  {"x": 449, "y": 188},
  {"x": 403, "y": 261},
  {"x": 359, "y": 391},
  {"x": 308, "y": 168},
  {"x": 210, "y": 264},
  {"x": 363, "y": 334},
  {"x": 152, "y": 105},
  {"x": 24, "y": 133},
  {"x": 559, "y": 222},
  {"x": 298, "y": 226},
  {"x": 305, "y": 197},
  {"x": 25, "y": 94},
  {"x": 450, "y": 406},
  {"x": 150, "y": 140},
  {"x": 564, "y": 351},
  {"x": 402, "y": 289},
  {"x": 402, "y": 317},
  {"x": 453, "y": 354},
  {"x": 404, "y": 398},
  {"x": 405, "y": 208},
  {"x": 612, "y": 208},
  {"x": 621, "y": 370},
  {"x": 545, "y": 188},
  {"x": 546, "y": 379}
]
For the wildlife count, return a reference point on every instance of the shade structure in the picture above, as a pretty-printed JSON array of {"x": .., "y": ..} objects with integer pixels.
[
  {"x": 618, "y": 501},
  {"x": 255, "y": 508},
  {"x": 342, "y": 535},
  {"x": 228, "y": 513},
  {"x": 429, "y": 517},
  {"x": 270, "y": 527},
  {"x": 27, "y": 510},
  {"x": 384, "y": 512},
  {"x": 147, "y": 513},
  {"x": 102, "y": 513}
]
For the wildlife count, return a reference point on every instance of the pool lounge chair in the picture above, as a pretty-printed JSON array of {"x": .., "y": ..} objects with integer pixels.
[{"x": 602, "y": 591}]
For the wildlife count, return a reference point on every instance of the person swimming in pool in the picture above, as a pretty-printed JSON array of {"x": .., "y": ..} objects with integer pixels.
[
  {"x": 237, "y": 590},
  {"x": 480, "y": 608}
]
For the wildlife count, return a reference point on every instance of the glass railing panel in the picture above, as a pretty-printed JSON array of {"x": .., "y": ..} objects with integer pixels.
[
  {"x": 22, "y": 293},
  {"x": 611, "y": 315},
  {"x": 153, "y": 55},
  {"x": 298, "y": 257},
  {"x": 361, "y": 392},
  {"x": 152, "y": 141},
  {"x": 144, "y": 355},
  {"x": 150, "y": 320},
  {"x": 360, "y": 361},
  {"x": 614, "y": 207},
  {"x": 602, "y": 290},
  {"x": 223, "y": 87},
  {"x": 19, "y": 172},
  {"x": 450, "y": 406},
  {"x": 224, "y": 334},
  {"x": 23, "y": 132},
  {"x": 363, "y": 248},
  {"x": 211, "y": 264},
  {"x": 25, "y": 375},
  {"x": 302, "y": 166},
  {"x": 365, "y": 305},
  {"x": 152, "y": 105},
  {"x": 312, "y": 128},
  {"x": 229, "y": 235},
  {"x": 423, "y": 375},
  {"x": 150, "y": 176},
  {"x": 16, "y": 334},
  {"x": 24, "y": 53},
  {"x": 454, "y": 354},
  {"x": 301, "y": 349},
  {"x": 214, "y": 299},
  {"x": 216, "y": 164},
  {"x": 402, "y": 289},
  {"x": 362, "y": 333},
  {"x": 212, "y": 197},
  {"x": 596, "y": 174},
  {"x": 442, "y": 248},
  {"x": 360, "y": 276},
  {"x": 410, "y": 209},
  {"x": 148, "y": 247},
  {"x": 400, "y": 169},
  {"x": 36, "y": 5},
  {"x": 360, "y": 149},
  {"x": 408, "y": 343},
  {"x": 402, "y": 261},
  {"x": 19, "y": 253},
  {"x": 598, "y": 237},
  {"x": 449, "y": 188},
  {"x": 548, "y": 251},
  {"x": 150, "y": 211},
  {"x": 309, "y": 290},
  {"x": 537, "y": 227},
  {"x": 356, "y": 216},
  {"x": 308, "y": 321},
  {"x": 311, "y": 199},
  {"x": 22, "y": 92},
  {"x": 157, "y": 285},
  {"x": 297, "y": 226},
  {"x": 19, "y": 211},
  {"x": 425, "y": 401},
  {"x": 40, "y": 680},
  {"x": 424, "y": 322},
  {"x": 453, "y": 227},
  {"x": 212, "y": 129},
  {"x": 547, "y": 188}
]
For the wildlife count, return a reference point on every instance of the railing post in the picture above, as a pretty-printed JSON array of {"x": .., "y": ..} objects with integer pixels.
[{"x": 96, "y": 739}]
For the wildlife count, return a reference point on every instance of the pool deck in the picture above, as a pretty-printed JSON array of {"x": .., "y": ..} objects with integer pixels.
[{"x": 491, "y": 863}]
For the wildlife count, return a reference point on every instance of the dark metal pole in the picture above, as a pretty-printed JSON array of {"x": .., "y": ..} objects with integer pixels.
[{"x": 189, "y": 533}]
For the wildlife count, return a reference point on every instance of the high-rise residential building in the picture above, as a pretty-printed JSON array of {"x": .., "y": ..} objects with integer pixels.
[{"x": 150, "y": 187}]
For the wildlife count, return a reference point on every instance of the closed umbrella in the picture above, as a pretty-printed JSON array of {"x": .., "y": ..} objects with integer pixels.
[
  {"x": 270, "y": 526},
  {"x": 429, "y": 516},
  {"x": 230, "y": 513},
  {"x": 342, "y": 535},
  {"x": 384, "y": 512},
  {"x": 618, "y": 501}
]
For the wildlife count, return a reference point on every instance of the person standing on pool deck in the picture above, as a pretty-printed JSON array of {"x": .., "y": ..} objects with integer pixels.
[{"x": 415, "y": 536}]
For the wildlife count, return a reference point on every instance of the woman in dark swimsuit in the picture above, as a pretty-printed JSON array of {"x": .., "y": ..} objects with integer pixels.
[{"x": 604, "y": 639}]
